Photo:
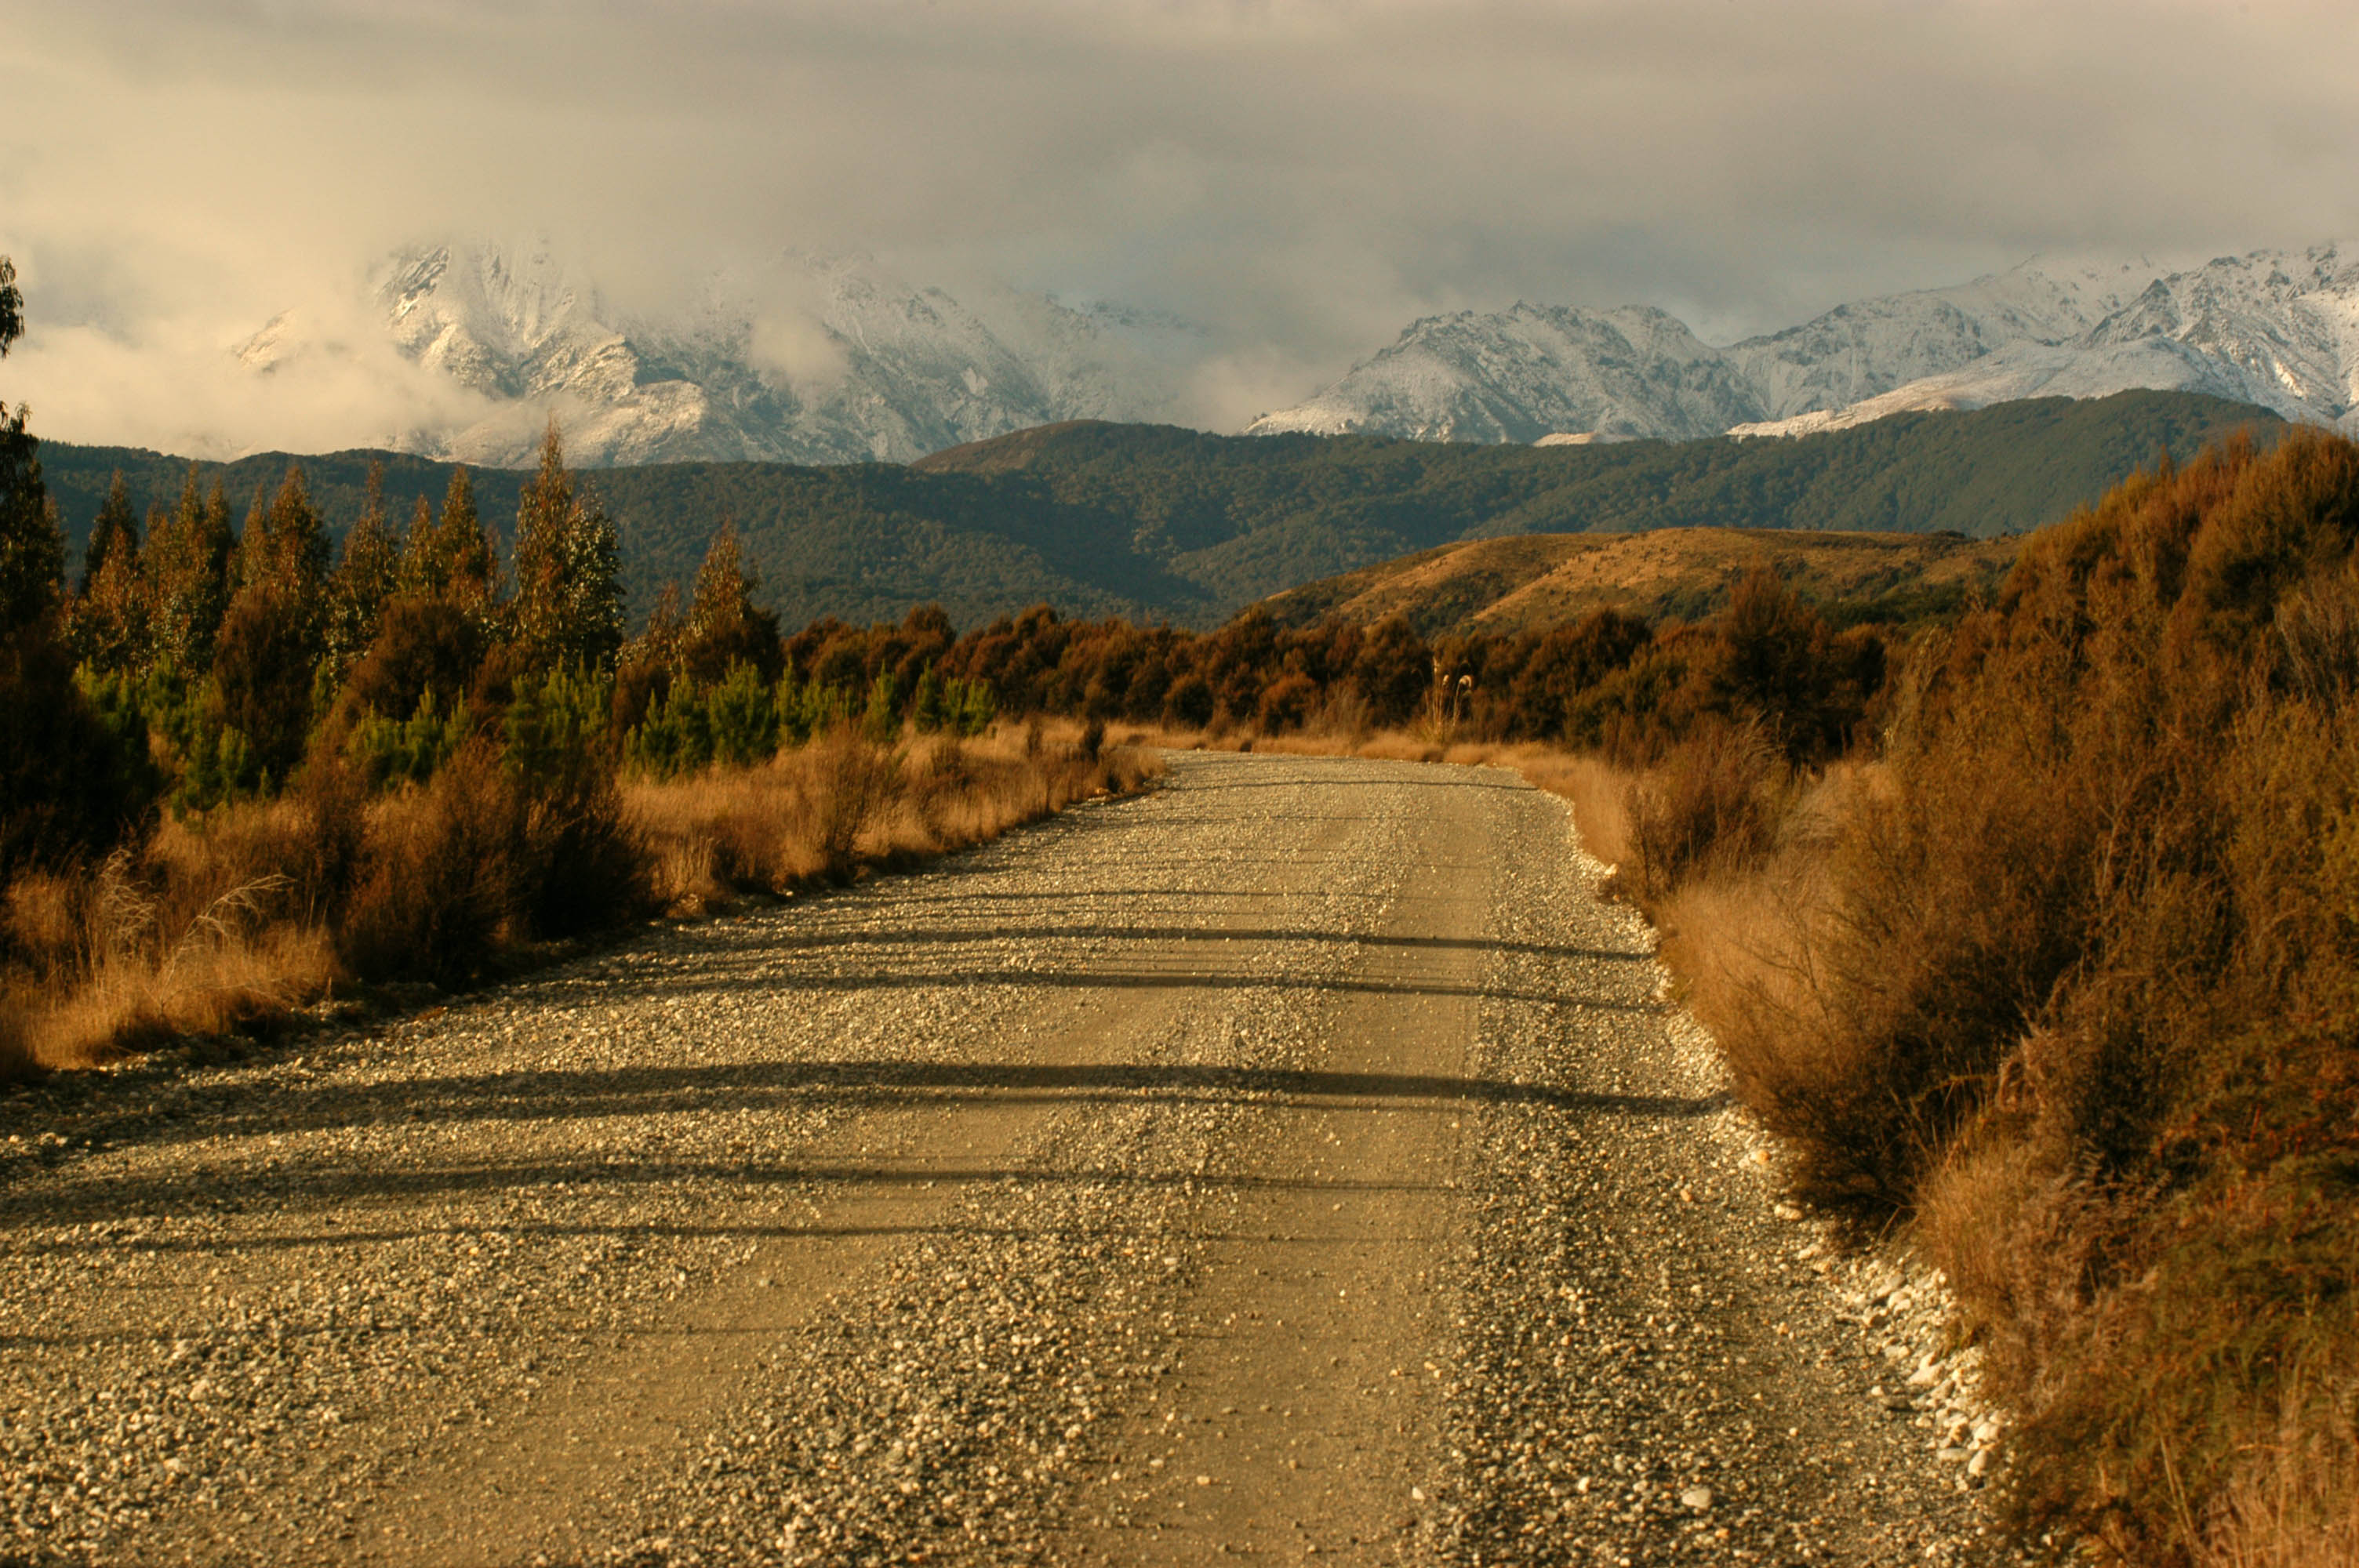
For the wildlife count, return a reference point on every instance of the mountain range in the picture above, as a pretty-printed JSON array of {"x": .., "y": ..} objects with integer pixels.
[
  {"x": 2276, "y": 329},
  {"x": 806, "y": 358}
]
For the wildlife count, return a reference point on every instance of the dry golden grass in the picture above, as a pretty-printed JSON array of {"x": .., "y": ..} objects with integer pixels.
[
  {"x": 229, "y": 923},
  {"x": 2291, "y": 1505},
  {"x": 840, "y": 806},
  {"x": 115, "y": 961}
]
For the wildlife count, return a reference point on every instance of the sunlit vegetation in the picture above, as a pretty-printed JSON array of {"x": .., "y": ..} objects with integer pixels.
[{"x": 2062, "y": 974}]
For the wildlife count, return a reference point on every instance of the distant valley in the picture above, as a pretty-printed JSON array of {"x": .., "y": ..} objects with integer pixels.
[{"x": 1159, "y": 522}]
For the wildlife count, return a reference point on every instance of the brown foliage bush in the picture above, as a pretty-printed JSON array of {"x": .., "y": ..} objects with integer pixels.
[
  {"x": 1713, "y": 803},
  {"x": 436, "y": 894},
  {"x": 2076, "y": 988}
]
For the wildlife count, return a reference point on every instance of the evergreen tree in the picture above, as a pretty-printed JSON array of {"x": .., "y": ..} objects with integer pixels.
[
  {"x": 452, "y": 557},
  {"x": 568, "y": 611},
  {"x": 108, "y": 623},
  {"x": 116, "y": 525},
  {"x": 285, "y": 546},
  {"x": 724, "y": 627},
  {"x": 186, "y": 569},
  {"x": 363, "y": 581},
  {"x": 69, "y": 782},
  {"x": 32, "y": 545},
  {"x": 272, "y": 636}
]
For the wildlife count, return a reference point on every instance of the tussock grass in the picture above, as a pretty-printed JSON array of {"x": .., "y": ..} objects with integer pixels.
[
  {"x": 232, "y": 922},
  {"x": 842, "y": 807}
]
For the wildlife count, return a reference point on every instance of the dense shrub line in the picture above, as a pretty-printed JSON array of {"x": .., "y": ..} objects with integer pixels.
[{"x": 2067, "y": 978}]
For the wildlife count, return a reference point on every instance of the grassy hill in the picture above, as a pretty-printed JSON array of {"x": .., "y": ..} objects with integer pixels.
[
  {"x": 1502, "y": 587},
  {"x": 1162, "y": 523}
]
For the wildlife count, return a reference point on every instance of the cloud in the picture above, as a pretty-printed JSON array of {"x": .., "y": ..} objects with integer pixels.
[{"x": 1301, "y": 176}]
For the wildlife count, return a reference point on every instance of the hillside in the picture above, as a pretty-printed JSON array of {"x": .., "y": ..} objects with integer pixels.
[
  {"x": 1502, "y": 587},
  {"x": 1162, "y": 523}
]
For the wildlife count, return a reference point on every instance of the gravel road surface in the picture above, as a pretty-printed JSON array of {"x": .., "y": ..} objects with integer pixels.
[{"x": 1296, "y": 1162}]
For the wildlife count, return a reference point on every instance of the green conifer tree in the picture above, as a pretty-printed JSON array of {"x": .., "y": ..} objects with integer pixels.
[
  {"x": 186, "y": 568},
  {"x": 452, "y": 558},
  {"x": 568, "y": 610},
  {"x": 364, "y": 580},
  {"x": 108, "y": 621},
  {"x": 114, "y": 523},
  {"x": 32, "y": 545},
  {"x": 724, "y": 627}
]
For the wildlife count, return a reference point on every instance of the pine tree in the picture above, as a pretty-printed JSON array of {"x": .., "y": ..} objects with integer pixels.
[
  {"x": 285, "y": 546},
  {"x": 363, "y": 581},
  {"x": 32, "y": 545},
  {"x": 453, "y": 557},
  {"x": 69, "y": 782},
  {"x": 108, "y": 622},
  {"x": 723, "y": 626},
  {"x": 116, "y": 522},
  {"x": 275, "y": 632},
  {"x": 568, "y": 611},
  {"x": 186, "y": 568}
]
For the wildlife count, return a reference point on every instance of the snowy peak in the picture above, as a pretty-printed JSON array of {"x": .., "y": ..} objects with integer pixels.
[
  {"x": 1529, "y": 372},
  {"x": 2280, "y": 329},
  {"x": 806, "y": 357}
]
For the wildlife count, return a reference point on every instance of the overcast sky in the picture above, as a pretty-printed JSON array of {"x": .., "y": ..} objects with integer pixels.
[{"x": 1301, "y": 179}]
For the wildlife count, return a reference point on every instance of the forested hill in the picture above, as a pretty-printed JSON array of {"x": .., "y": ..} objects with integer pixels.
[{"x": 1159, "y": 522}]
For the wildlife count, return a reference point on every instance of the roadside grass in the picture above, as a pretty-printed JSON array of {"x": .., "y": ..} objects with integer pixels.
[
  {"x": 838, "y": 807},
  {"x": 235, "y": 921}
]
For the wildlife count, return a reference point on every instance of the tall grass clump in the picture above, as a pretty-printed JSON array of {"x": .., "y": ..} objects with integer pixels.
[{"x": 2068, "y": 980}]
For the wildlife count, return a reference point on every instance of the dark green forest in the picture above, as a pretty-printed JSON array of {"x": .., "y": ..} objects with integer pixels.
[{"x": 1155, "y": 522}]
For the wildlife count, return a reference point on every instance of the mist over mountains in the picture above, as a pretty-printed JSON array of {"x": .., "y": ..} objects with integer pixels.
[
  {"x": 832, "y": 359},
  {"x": 808, "y": 359}
]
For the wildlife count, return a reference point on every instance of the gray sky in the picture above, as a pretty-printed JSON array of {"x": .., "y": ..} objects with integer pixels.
[{"x": 1302, "y": 178}]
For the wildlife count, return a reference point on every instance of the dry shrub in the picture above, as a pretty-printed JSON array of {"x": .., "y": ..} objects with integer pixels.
[
  {"x": 2072, "y": 983},
  {"x": 1714, "y": 805},
  {"x": 436, "y": 894},
  {"x": 2289, "y": 1506},
  {"x": 46, "y": 917},
  {"x": 18, "y": 1060},
  {"x": 148, "y": 974},
  {"x": 848, "y": 785}
]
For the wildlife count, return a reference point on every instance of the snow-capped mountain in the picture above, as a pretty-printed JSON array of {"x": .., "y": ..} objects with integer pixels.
[
  {"x": 808, "y": 359},
  {"x": 1522, "y": 373},
  {"x": 2276, "y": 329}
]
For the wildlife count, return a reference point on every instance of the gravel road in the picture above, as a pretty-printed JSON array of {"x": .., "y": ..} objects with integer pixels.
[{"x": 1298, "y": 1161}]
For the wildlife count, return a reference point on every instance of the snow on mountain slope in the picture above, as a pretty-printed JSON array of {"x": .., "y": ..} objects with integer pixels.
[
  {"x": 2044, "y": 370},
  {"x": 2276, "y": 329},
  {"x": 813, "y": 358},
  {"x": 2289, "y": 321},
  {"x": 806, "y": 359},
  {"x": 1526, "y": 373},
  {"x": 1861, "y": 350}
]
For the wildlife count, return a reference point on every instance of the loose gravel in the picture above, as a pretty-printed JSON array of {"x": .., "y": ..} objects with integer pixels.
[{"x": 1298, "y": 1160}]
